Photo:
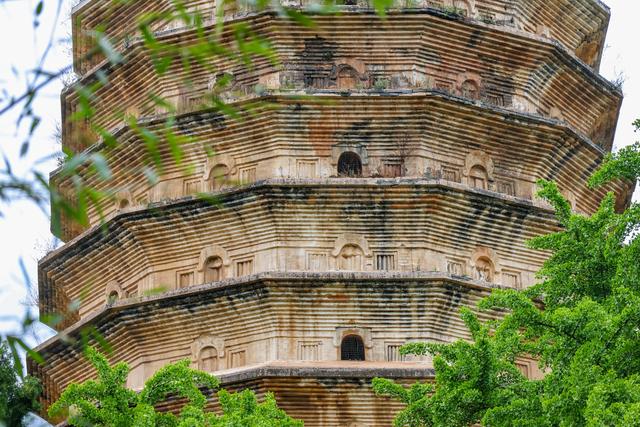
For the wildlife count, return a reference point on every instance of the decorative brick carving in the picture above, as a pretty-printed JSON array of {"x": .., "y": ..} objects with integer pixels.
[
  {"x": 123, "y": 200},
  {"x": 218, "y": 172},
  {"x": 485, "y": 264},
  {"x": 478, "y": 170},
  {"x": 208, "y": 261},
  {"x": 206, "y": 341},
  {"x": 114, "y": 292}
]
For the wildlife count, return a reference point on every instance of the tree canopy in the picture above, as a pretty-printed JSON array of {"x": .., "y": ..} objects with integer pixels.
[
  {"x": 581, "y": 322},
  {"x": 17, "y": 397},
  {"x": 107, "y": 401}
]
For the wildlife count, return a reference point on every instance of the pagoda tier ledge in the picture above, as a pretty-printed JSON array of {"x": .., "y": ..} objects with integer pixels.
[
  {"x": 268, "y": 316},
  {"x": 136, "y": 46},
  {"x": 267, "y": 377},
  {"x": 84, "y": 4},
  {"x": 348, "y": 394},
  {"x": 302, "y": 278},
  {"x": 152, "y": 209},
  {"x": 328, "y": 369},
  {"x": 278, "y": 224},
  {"x": 286, "y": 130}
]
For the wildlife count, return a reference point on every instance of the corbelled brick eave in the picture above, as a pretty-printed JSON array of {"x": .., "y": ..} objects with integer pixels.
[
  {"x": 420, "y": 106},
  {"x": 109, "y": 313}
]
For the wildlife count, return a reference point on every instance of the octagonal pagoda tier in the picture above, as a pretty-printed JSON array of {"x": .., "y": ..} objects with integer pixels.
[
  {"x": 298, "y": 225},
  {"x": 427, "y": 134},
  {"x": 294, "y": 322},
  {"x": 352, "y": 52},
  {"x": 581, "y": 30}
]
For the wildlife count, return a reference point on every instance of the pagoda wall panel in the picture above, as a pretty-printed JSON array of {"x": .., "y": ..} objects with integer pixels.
[{"x": 377, "y": 179}]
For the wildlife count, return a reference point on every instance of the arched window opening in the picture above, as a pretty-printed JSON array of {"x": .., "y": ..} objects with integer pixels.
[
  {"x": 484, "y": 270},
  {"x": 470, "y": 89},
  {"x": 478, "y": 177},
  {"x": 349, "y": 165},
  {"x": 218, "y": 177},
  {"x": 352, "y": 348},
  {"x": 350, "y": 258},
  {"x": 208, "y": 360},
  {"x": 347, "y": 78},
  {"x": 123, "y": 203},
  {"x": 113, "y": 297},
  {"x": 213, "y": 269}
]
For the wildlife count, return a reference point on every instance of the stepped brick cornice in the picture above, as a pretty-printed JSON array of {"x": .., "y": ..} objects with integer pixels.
[
  {"x": 279, "y": 224},
  {"x": 407, "y": 52},
  {"x": 582, "y": 28},
  {"x": 268, "y": 316},
  {"x": 416, "y": 129}
]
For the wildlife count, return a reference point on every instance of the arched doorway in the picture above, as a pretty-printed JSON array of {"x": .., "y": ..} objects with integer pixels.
[
  {"x": 484, "y": 270},
  {"x": 347, "y": 77},
  {"x": 470, "y": 89},
  {"x": 349, "y": 165},
  {"x": 350, "y": 258},
  {"x": 219, "y": 176},
  {"x": 352, "y": 348},
  {"x": 113, "y": 297}
]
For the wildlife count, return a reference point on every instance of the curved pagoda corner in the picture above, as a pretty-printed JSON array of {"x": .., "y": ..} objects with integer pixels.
[{"x": 345, "y": 228}]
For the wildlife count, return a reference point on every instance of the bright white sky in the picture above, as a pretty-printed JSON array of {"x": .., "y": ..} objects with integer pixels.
[{"x": 24, "y": 230}]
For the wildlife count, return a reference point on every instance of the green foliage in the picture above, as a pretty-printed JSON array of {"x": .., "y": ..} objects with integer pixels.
[
  {"x": 454, "y": 12},
  {"x": 242, "y": 409},
  {"x": 381, "y": 84},
  {"x": 580, "y": 322},
  {"x": 471, "y": 377},
  {"x": 17, "y": 398},
  {"x": 415, "y": 397},
  {"x": 107, "y": 402},
  {"x": 623, "y": 164}
]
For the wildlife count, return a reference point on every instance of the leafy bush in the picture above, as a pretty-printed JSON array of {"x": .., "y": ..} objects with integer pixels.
[
  {"x": 17, "y": 397},
  {"x": 107, "y": 402}
]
